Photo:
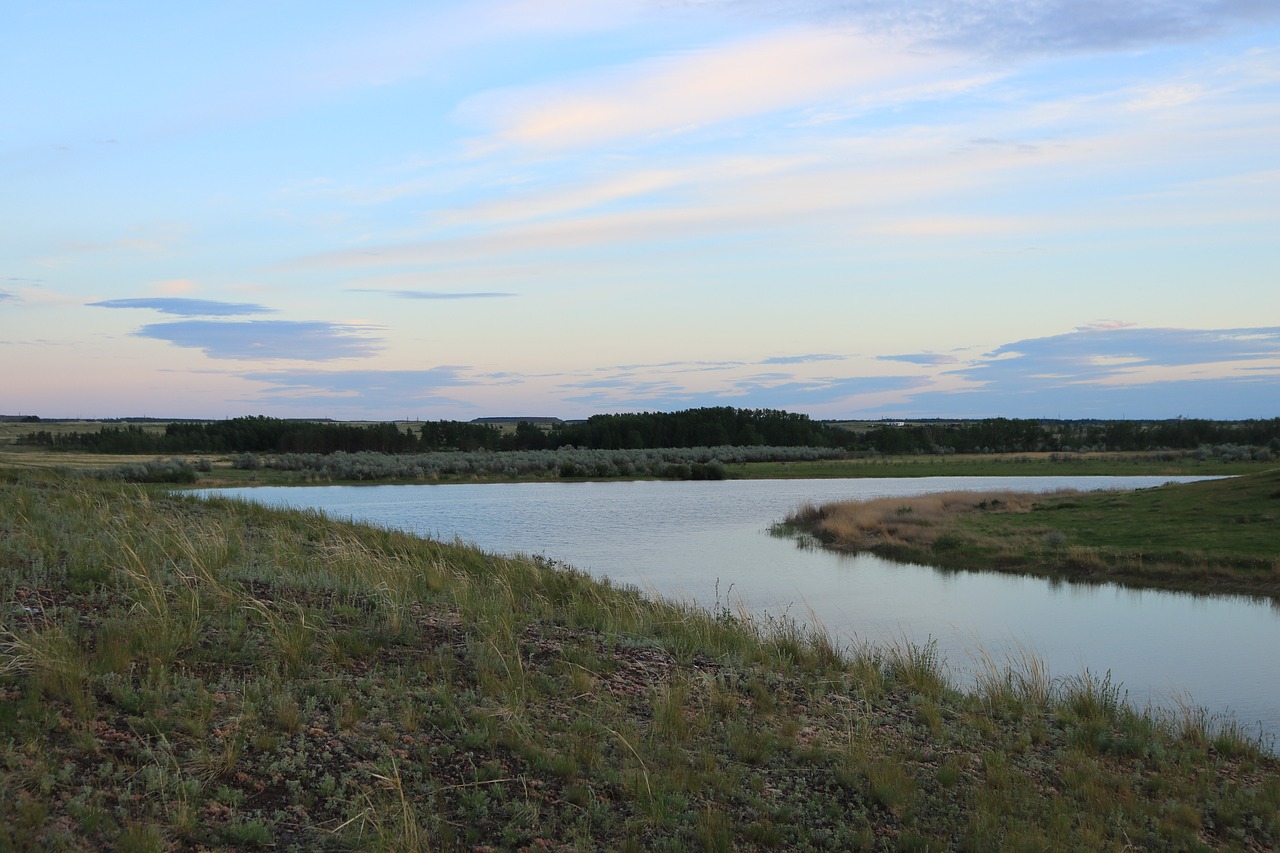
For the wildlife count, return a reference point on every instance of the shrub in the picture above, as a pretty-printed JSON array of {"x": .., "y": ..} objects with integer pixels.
[
  {"x": 247, "y": 462},
  {"x": 154, "y": 471}
]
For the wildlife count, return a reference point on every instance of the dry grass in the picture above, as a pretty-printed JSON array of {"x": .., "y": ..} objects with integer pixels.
[{"x": 914, "y": 521}]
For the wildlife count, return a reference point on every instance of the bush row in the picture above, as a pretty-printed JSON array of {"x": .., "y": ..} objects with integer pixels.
[{"x": 692, "y": 463}]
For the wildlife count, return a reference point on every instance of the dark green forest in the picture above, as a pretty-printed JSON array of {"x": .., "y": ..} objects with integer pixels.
[
  {"x": 708, "y": 427},
  {"x": 702, "y": 427},
  {"x": 1008, "y": 435}
]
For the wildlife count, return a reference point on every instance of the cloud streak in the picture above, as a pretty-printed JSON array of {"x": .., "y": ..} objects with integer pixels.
[
  {"x": 1020, "y": 27},
  {"x": 357, "y": 391},
  {"x": 802, "y": 359},
  {"x": 255, "y": 340},
  {"x": 1113, "y": 370},
  {"x": 694, "y": 89},
  {"x": 433, "y": 294},
  {"x": 186, "y": 307},
  {"x": 925, "y": 358},
  {"x": 732, "y": 384},
  {"x": 1101, "y": 370}
]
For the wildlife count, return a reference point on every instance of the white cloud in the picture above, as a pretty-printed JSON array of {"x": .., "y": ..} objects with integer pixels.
[
  {"x": 620, "y": 185},
  {"x": 1166, "y": 96},
  {"x": 679, "y": 92}
]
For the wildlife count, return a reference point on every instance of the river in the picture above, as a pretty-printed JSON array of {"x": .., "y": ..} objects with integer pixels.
[{"x": 708, "y": 542}]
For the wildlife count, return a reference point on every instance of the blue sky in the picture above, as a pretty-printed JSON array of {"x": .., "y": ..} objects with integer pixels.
[{"x": 1051, "y": 208}]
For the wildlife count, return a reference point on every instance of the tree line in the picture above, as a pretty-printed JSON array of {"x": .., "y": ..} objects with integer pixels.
[
  {"x": 1009, "y": 435},
  {"x": 702, "y": 427},
  {"x": 708, "y": 427}
]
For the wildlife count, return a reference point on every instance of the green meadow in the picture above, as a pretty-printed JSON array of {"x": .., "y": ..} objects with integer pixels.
[
  {"x": 179, "y": 674},
  {"x": 1093, "y": 464}
]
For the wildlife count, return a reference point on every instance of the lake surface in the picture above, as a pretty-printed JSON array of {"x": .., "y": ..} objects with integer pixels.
[{"x": 707, "y": 542}]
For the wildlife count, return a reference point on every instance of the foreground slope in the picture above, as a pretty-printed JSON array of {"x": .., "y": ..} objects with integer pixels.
[{"x": 178, "y": 674}]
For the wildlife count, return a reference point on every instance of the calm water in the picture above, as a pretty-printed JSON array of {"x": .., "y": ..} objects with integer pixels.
[{"x": 707, "y": 542}]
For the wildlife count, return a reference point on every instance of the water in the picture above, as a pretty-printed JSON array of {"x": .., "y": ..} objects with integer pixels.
[{"x": 707, "y": 542}]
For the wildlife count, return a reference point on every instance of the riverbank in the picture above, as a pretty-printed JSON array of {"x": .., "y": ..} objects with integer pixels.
[
  {"x": 186, "y": 673},
  {"x": 1220, "y": 536}
]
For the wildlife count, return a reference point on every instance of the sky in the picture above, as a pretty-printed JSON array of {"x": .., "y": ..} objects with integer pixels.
[{"x": 449, "y": 210}]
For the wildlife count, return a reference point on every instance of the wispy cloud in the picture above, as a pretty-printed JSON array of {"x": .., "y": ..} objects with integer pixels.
[
  {"x": 186, "y": 307},
  {"x": 740, "y": 386},
  {"x": 902, "y": 180},
  {"x": 694, "y": 89},
  {"x": 622, "y": 185},
  {"x": 342, "y": 391},
  {"x": 1087, "y": 354},
  {"x": 148, "y": 239},
  {"x": 4, "y": 295},
  {"x": 1115, "y": 370},
  {"x": 255, "y": 340},
  {"x": 1016, "y": 26},
  {"x": 380, "y": 51},
  {"x": 856, "y": 180},
  {"x": 802, "y": 359},
  {"x": 928, "y": 358},
  {"x": 432, "y": 294},
  {"x": 815, "y": 394},
  {"x": 1108, "y": 369}
]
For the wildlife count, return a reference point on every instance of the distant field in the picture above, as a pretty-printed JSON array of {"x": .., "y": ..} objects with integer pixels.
[
  {"x": 10, "y": 430},
  {"x": 1000, "y": 465}
]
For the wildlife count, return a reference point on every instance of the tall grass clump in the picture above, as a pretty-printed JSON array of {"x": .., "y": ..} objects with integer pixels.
[
  {"x": 916, "y": 667},
  {"x": 1019, "y": 683}
]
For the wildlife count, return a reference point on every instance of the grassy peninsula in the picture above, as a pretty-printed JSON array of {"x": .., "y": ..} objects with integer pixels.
[
  {"x": 178, "y": 674},
  {"x": 1210, "y": 536}
]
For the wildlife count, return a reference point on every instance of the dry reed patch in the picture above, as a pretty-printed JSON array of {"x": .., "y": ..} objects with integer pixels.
[{"x": 915, "y": 520}]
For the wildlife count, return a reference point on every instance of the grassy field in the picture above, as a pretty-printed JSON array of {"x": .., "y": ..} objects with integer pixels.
[
  {"x": 179, "y": 674},
  {"x": 1162, "y": 463},
  {"x": 1217, "y": 536}
]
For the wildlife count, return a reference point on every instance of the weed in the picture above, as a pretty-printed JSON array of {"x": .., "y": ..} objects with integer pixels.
[
  {"x": 713, "y": 831},
  {"x": 140, "y": 838},
  {"x": 917, "y": 667},
  {"x": 1021, "y": 682},
  {"x": 1091, "y": 698}
]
